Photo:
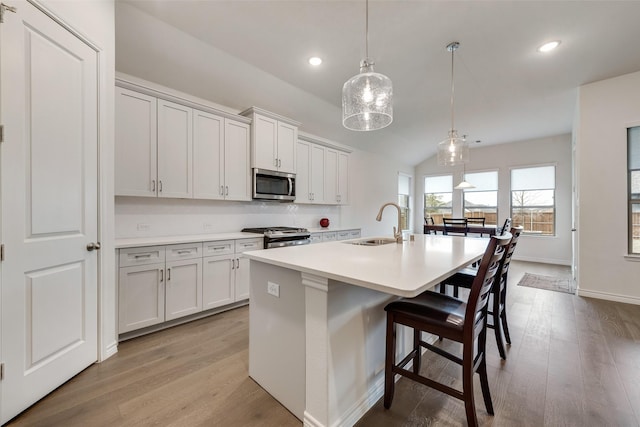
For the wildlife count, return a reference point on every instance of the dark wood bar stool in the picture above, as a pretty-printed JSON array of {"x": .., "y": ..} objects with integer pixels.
[
  {"x": 498, "y": 310},
  {"x": 449, "y": 318},
  {"x": 455, "y": 226}
]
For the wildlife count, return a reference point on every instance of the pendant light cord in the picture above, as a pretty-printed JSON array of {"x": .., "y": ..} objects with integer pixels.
[
  {"x": 366, "y": 48},
  {"x": 452, "y": 47}
]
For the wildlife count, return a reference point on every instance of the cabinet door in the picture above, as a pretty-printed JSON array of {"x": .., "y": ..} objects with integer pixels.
[
  {"x": 217, "y": 281},
  {"x": 331, "y": 177},
  {"x": 343, "y": 178},
  {"x": 317, "y": 173},
  {"x": 265, "y": 131},
  {"x": 243, "y": 277},
  {"x": 175, "y": 145},
  {"x": 183, "y": 288},
  {"x": 135, "y": 144},
  {"x": 237, "y": 167},
  {"x": 303, "y": 156},
  {"x": 286, "y": 154},
  {"x": 208, "y": 156},
  {"x": 140, "y": 296}
]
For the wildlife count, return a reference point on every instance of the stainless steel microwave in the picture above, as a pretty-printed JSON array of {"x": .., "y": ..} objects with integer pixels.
[{"x": 272, "y": 185}]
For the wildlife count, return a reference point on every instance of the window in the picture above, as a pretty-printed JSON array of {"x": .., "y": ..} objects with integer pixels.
[
  {"x": 633, "y": 150},
  {"x": 404, "y": 187},
  {"x": 438, "y": 192},
  {"x": 533, "y": 199},
  {"x": 482, "y": 201}
]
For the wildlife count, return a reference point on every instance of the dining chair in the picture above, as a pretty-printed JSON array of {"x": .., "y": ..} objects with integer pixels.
[
  {"x": 453, "y": 319},
  {"x": 428, "y": 220},
  {"x": 477, "y": 222},
  {"x": 498, "y": 306},
  {"x": 455, "y": 226},
  {"x": 505, "y": 227}
]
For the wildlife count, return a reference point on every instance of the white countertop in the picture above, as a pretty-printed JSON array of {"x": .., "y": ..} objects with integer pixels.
[
  {"x": 170, "y": 240},
  {"x": 405, "y": 269}
]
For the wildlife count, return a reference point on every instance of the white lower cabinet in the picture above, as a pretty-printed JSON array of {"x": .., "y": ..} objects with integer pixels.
[
  {"x": 183, "y": 288},
  {"x": 330, "y": 236},
  {"x": 141, "y": 297},
  {"x": 161, "y": 283}
]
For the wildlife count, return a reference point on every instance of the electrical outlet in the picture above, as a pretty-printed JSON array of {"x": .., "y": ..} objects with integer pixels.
[
  {"x": 273, "y": 289},
  {"x": 144, "y": 227}
]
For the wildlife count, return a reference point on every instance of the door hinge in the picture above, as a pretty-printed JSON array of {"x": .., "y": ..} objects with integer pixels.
[
  {"x": 2, "y": 252},
  {"x": 4, "y": 7}
]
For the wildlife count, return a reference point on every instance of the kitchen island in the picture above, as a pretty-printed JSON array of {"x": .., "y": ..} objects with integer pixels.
[{"x": 317, "y": 319}]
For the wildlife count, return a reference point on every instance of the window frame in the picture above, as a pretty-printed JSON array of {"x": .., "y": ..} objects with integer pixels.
[
  {"x": 496, "y": 191},
  {"x": 424, "y": 194},
  {"x": 554, "y": 206},
  {"x": 631, "y": 199},
  {"x": 405, "y": 211}
]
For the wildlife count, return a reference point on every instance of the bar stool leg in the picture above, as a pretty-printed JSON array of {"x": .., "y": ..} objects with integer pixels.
[{"x": 390, "y": 361}]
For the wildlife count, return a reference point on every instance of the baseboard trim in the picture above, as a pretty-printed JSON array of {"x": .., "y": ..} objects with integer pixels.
[
  {"x": 110, "y": 351},
  {"x": 608, "y": 296},
  {"x": 544, "y": 260},
  {"x": 358, "y": 409}
]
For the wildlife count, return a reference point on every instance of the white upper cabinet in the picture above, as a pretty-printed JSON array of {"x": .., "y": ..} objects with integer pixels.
[
  {"x": 310, "y": 176},
  {"x": 221, "y": 167},
  {"x": 343, "y": 178},
  {"x": 153, "y": 146},
  {"x": 237, "y": 175},
  {"x": 331, "y": 176},
  {"x": 273, "y": 141},
  {"x": 175, "y": 145},
  {"x": 208, "y": 156},
  {"x": 136, "y": 144}
]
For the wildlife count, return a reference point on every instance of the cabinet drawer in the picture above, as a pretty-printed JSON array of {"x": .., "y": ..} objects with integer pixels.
[
  {"x": 184, "y": 251},
  {"x": 342, "y": 235},
  {"x": 354, "y": 234},
  {"x": 316, "y": 237},
  {"x": 141, "y": 256},
  {"x": 249, "y": 245},
  {"x": 329, "y": 236},
  {"x": 220, "y": 247}
]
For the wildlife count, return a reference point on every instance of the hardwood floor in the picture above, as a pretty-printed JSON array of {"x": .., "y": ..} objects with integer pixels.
[{"x": 574, "y": 362}]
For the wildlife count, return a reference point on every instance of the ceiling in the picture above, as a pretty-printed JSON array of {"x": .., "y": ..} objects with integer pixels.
[{"x": 505, "y": 90}]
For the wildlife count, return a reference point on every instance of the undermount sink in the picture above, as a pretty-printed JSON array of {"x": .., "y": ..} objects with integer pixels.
[{"x": 376, "y": 241}]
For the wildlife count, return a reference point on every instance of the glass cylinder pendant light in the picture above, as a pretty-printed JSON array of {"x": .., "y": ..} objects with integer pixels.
[
  {"x": 454, "y": 149},
  {"x": 367, "y": 98}
]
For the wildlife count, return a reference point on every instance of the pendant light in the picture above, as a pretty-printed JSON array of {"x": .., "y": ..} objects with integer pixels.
[
  {"x": 367, "y": 98},
  {"x": 464, "y": 184},
  {"x": 453, "y": 150}
]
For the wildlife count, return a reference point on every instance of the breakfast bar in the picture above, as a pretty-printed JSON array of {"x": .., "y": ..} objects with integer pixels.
[{"x": 317, "y": 319}]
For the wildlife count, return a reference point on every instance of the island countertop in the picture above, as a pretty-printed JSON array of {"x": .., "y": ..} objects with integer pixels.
[{"x": 406, "y": 269}]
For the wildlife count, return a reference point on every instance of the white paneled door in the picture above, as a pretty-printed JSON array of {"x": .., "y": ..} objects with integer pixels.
[{"x": 48, "y": 178}]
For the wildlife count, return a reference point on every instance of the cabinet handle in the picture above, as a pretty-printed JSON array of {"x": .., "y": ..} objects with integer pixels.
[
  {"x": 233, "y": 264},
  {"x": 222, "y": 190},
  {"x": 161, "y": 275},
  {"x": 218, "y": 248},
  {"x": 275, "y": 162},
  {"x": 142, "y": 256},
  {"x": 279, "y": 162},
  {"x": 237, "y": 263},
  {"x": 226, "y": 190},
  {"x": 168, "y": 273},
  {"x": 184, "y": 252},
  {"x": 160, "y": 186},
  {"x": 153, "y": 185}
]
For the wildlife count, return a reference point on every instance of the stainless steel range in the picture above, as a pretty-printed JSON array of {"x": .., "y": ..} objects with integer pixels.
[{"x": 276, "y": 237}]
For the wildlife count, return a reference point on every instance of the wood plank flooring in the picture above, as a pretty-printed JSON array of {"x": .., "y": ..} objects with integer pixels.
[{"x": 574, "y": 362}]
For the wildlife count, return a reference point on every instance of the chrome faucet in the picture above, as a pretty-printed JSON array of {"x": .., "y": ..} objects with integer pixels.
[{"x": 397, "y": 234}]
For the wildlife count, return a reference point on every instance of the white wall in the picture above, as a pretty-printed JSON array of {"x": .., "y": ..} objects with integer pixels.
[
  {"x": 154, "y": 51},
  {"x": 552, "y": 150},
  {"x": 606, "y": 109},
  {"x": 95, "y": 20}
]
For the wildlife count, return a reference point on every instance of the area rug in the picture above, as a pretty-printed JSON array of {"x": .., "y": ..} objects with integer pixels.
[{"x": 550, "y": 283}]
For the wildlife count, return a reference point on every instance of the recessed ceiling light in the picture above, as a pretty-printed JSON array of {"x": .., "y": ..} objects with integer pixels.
[
  {"x": 314, "y": 60},
  {"x": 548, "y": 47}
]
